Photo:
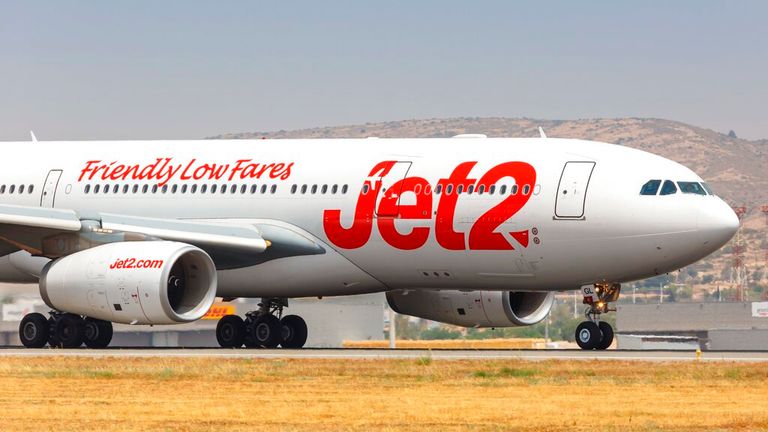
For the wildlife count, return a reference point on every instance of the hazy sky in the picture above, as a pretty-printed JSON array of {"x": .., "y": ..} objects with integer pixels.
[{"x": 189, "y": 69}]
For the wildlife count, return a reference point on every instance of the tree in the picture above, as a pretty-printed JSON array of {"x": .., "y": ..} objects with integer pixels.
[{"x": 732, "y": 134}]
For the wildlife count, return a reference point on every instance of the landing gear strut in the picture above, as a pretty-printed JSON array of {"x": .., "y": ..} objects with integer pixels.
[
  {"x": 64, "y": 330},
  {"x": 596, "y": 334},
  {"x": 265, "y": 327}
]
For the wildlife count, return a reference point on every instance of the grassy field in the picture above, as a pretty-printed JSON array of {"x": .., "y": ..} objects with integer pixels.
[{"x": 79, "y": 394}]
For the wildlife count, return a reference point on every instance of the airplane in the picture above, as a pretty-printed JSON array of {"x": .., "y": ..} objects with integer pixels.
[{"x": 470, "y": 230}]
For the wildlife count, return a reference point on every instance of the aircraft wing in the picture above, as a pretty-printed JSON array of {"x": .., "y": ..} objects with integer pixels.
[{"x": 54, "y": 233}]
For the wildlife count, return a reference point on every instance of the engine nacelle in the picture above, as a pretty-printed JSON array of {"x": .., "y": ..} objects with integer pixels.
[
  {"x": 474, "y": 308},
  {"x": 151, "y": 282}
]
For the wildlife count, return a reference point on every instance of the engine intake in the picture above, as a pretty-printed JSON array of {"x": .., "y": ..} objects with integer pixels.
[
  {"x": 474, "y": 308},
  {"x": 153, "y": 282}
]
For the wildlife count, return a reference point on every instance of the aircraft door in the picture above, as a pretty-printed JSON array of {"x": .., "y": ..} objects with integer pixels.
[
  {"x": 572, "y": 190},
  {"x": 398, "y": 172},
  {"x": 48, "y": 197}
]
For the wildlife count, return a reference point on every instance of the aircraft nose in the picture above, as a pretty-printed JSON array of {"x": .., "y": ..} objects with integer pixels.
[{"x": 717, "y": 223}]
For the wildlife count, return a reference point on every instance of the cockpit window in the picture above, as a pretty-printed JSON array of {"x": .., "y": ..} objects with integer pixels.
[
  {"x": 708, "y": 189},
  {"x": 691, "y": 188},
  {"x": 668, "y": 188},
  {"x": 650, "y": 188}
]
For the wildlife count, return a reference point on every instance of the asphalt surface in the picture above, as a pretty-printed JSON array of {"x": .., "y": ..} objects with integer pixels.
[{"x": 373, "y": 354}]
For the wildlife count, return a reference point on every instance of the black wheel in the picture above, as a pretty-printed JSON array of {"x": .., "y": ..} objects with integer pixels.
[
  {"x": 294, "y": 331},
  {"x": 588, "y": 335},
  {"x": 33, "y": 330},
  {"x": 68, "y": 331},
  {"x": 230, "y": 331},
  {"x": 97, "y": 333},
  {"x": 265, "y": 331},
  {"x": 607, "y": 335}
]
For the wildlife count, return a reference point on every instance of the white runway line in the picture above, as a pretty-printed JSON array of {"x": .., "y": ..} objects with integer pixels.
[{"x": 352, "y": 354}]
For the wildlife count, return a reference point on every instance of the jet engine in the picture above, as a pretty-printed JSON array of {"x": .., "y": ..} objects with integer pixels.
[
  {"x": 474, "y": 308},
  {"x": 142, "y": 282}
]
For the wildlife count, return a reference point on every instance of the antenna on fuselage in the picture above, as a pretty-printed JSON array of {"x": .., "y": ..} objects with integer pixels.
[
  {"x": 541, "y": 132},
  {"x": 32, "y": 134}
]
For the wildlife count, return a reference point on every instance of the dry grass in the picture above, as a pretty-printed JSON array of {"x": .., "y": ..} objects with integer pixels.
[{"x": 81, "y": 394}]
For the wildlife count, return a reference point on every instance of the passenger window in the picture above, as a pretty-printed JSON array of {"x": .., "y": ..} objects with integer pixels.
[
  {"x": 263, "y": 189},
  {"x": 203, "y": 188},
  {"x": 183, "y": 189},
  {"x": 428, "y": 189},
  {"x": 324, "y": 189},
  {"x": 125, "y": 188},
  {"x": 213, "y": 188},
  {"x": 144, "y": 188},
  {"x": 481, "y": 189},
  {"x": 691, "y": 188},
  {"x": 344, "y": 189},
  {"x": 135, "y": 189},
  {"x": 365, "y": 189},
  {"x": 115, "y": 188},
  {"x": 223, "y": 189},
  {"x": 334, "y": 189},
  {"x": 303, "y": 189},
  {"x": 439, "y": 189},
  {"x": 314, "y": 189},
  {"x": 526, "y": 189},
  {"x": 459, "y": 189},
  {"x": 164, "y": 189},
  {"x": 513, "y": 190},
  {"x": 95, "y": 189},
  {"x": 21, "y": 189},
  {"x": 154, "y": 188},
  {"x": 193, "y": 189},
  {"x": 253, "y": 189},
  {"x": 449, "y": 189},
  {"x": 273, "y": 189},
  {"x": 233, "y": 189},
  {"x": 503, "y": 189},
  {"x": 470, "y": 189},
  {"x": 174, "y": 188},
  {"x": 293, "y": 189},
  {"x": 668, "y": 188},
  {"x": 492, "y": 189},
  {"x": 243, "y": 189},
  {"x": 87, "y": 189},
  {"x": 650, "y": 188}
]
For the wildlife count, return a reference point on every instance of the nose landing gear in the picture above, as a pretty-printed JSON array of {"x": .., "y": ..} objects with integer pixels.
[
  {"x": 596, "y": 334},
  {"x": 263, "y": 328}
]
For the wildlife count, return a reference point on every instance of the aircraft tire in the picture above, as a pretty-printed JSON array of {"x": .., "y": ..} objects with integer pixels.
[
  {"x": 265, "y": 331},
  {"x": 588, "y": 335},
  {"x": 68, "y": 331},
  {"x": 607, "y": 336},
  {"x": 294, "y": 331},
  {"x": 230, "y": 331},
  {"x": 98, "y": 333},
  {"x": 33, "y": 330}
]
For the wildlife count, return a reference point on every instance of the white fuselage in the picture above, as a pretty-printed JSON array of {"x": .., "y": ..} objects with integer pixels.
[{"x": 562, "y": 213}]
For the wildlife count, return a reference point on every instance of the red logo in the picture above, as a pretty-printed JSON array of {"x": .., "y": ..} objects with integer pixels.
[
  {"x": 133, "y": 263},
  {"x": 482, "y": 235}
]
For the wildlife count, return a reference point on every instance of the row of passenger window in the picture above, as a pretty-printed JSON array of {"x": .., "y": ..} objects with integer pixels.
[
  {"x": 668, "y": 188},
  {"x": 175, "y": 189},
  {"x": 449, "y": 189},
  {"x": 20, "y": 189},
  {"x": 322, "y": 189}
]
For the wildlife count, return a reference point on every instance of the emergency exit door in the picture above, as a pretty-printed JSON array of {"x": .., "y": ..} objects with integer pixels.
[
  {"x": 572, "y": 190},
  {"x": 48, "y": 197}
]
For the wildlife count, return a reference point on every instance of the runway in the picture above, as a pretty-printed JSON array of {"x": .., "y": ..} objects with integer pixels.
[{"x": 374, "y": 354}]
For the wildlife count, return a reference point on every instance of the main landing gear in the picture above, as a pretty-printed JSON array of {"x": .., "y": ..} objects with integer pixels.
[
  {"x": 263, "y": 328},
  {"x": 596, "y": 334},
  {"x": 64, "y": 330}
]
